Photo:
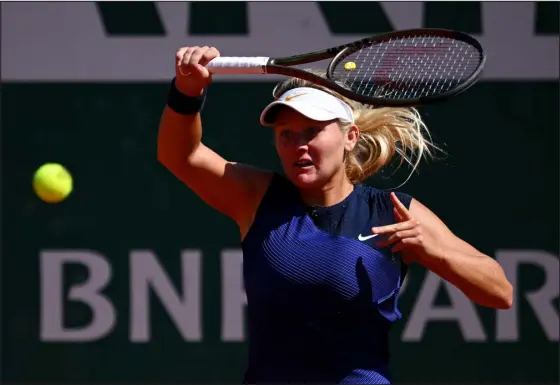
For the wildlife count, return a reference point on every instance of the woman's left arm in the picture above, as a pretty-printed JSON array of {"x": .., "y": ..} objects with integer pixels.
[{"x": 423, "y": 238}]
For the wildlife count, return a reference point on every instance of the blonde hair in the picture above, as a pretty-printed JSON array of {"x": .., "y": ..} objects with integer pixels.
[{"x": 383, "y": 132}]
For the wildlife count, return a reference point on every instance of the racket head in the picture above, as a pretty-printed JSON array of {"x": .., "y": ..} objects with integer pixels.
[{"x": 408, "y": 68}]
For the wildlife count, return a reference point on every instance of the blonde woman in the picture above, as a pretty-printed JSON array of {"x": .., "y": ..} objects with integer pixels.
[{"x": 324, "y": 256}]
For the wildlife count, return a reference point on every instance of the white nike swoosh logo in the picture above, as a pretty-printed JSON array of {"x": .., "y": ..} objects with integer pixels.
[{"x": 362, "y": 238}]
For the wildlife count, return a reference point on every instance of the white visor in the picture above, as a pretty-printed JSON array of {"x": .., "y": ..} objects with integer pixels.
[{"x": 312, "y": 103}]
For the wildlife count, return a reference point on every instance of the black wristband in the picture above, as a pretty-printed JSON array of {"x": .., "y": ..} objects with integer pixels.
[{"x": 184, "y": 104}]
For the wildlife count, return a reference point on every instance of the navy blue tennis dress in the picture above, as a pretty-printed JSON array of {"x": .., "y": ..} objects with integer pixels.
[{"x": 321, "y": 296}]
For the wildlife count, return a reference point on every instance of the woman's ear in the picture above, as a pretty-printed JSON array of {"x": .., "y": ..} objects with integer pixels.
[{"x": 352, "y": 135}]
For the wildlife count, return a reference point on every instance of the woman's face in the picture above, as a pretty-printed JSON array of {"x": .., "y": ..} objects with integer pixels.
[{"x": 311, "y": 152}]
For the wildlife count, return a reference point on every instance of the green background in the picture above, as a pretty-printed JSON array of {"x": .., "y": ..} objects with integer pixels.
[{"x": 500, "y": 177}]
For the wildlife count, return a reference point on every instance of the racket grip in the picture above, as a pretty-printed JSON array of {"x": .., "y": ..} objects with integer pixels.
[{"x": 238, "y": 65}]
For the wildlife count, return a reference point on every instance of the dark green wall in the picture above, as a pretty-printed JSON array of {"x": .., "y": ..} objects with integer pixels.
[{"x": 497, "y": 188}]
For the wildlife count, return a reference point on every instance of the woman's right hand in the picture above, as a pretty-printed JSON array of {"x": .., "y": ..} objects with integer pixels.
[{"x": 190, "y": 67}]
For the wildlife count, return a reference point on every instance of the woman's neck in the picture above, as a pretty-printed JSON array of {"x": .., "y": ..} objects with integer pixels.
[{"x": 330, "y": 194}]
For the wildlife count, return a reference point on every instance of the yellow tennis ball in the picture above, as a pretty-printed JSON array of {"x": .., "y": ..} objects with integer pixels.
[
  {"x": 349, "y": 66},
  {"x": 52, "y": 182}
]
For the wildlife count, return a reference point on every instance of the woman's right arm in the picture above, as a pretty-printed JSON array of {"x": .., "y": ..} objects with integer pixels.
[{"x": 232, "y": 188}]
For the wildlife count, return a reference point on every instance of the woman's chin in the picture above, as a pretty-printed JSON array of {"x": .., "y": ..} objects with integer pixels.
[{"x": 305, "y": 180}]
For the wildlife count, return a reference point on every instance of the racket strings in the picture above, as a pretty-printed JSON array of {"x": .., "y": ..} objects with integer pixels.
[{"x": 409, "y": 67}]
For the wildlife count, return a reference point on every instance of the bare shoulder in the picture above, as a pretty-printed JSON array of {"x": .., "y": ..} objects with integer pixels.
[
  {"x": 260, "y": 181},
  {"x": 258, "y": 178},
  {"x": 234, "y": 189}
]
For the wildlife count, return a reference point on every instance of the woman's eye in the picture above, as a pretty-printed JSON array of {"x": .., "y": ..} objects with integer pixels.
[
  {"x": 285, "y": 134},
  {"x": 312, "y": 131}
]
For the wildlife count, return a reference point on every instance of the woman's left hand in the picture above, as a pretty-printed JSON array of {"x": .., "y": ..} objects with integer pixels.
[{"x": 409, "y": 236}]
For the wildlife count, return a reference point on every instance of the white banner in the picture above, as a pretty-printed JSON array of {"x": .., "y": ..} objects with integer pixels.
[{"x": 65, "y": 41}]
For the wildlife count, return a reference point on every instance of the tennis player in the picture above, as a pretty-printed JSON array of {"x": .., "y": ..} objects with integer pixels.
[{"x": 324, "y": 256}]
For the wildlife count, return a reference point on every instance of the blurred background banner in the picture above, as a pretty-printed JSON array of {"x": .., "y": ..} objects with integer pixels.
[{"x": 134, "y": 279}]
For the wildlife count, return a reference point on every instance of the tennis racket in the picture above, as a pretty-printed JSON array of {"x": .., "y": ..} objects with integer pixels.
[{"x": 402, "y": 68}]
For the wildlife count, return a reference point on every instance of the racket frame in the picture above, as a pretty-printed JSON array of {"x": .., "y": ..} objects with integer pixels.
[{"x": 283, "y": 66}]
